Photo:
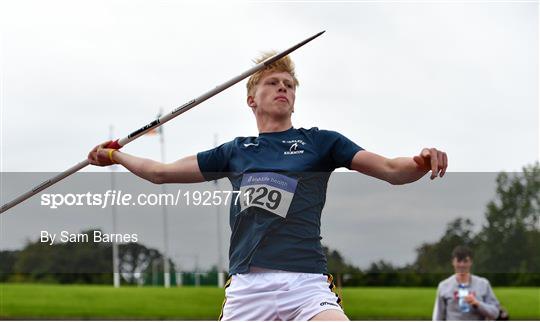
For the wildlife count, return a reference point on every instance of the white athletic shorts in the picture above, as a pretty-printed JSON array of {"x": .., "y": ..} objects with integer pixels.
[{"x": 265, "y": 294}]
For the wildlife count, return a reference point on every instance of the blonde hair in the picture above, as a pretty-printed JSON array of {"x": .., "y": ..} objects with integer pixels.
[{"x": 285, "y": 64}]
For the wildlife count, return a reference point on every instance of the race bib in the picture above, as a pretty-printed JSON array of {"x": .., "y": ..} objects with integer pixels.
[{"x": 267, "y": 190}]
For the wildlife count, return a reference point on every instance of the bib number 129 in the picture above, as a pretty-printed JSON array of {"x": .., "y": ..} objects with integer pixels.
[
  {"x": 267, "y": 190},
  {"x": 263, "y": 196}
]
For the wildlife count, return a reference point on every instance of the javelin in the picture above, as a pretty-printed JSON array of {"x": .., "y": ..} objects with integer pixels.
[{"x": 158, "y": 122}]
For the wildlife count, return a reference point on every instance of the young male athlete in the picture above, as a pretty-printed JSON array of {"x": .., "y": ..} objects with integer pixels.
[
  {"x": 277, "y": 264},
  {"x": 464, "y": 296}
]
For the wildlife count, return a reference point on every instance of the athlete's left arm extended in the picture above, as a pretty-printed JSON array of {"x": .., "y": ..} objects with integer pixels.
[{"x": 401, "y": 170}]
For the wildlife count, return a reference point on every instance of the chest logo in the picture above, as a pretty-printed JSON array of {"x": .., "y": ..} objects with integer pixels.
[{"x": 295, "y": 147}]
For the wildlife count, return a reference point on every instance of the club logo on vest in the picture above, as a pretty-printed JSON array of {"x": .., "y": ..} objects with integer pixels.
[{"x": 296, "y": 147}]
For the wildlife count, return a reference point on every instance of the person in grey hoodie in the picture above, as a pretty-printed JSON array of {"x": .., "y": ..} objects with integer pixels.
[{"x": 464, "y": 296}]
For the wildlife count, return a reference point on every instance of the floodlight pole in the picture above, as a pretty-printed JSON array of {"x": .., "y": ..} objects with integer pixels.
[
  {"x": 116, "y": 268},
  {"x": 166, "y": 268}
]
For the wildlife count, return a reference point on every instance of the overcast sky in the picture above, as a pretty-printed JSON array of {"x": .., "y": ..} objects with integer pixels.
[{"x": 393, "y": 77}]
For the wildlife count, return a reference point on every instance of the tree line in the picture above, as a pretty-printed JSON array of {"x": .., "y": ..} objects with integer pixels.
[
  {"x": 78, "y": 262},
  {"x": 506, "y": 249}
]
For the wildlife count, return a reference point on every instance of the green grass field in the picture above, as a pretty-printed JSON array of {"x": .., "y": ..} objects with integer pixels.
[{"x": 38, "y": 301}]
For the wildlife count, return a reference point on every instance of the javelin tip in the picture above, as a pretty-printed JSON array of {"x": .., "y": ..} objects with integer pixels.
[
  {"x": 278, "y": 56},
  {"x": 316, "y": 35}
]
